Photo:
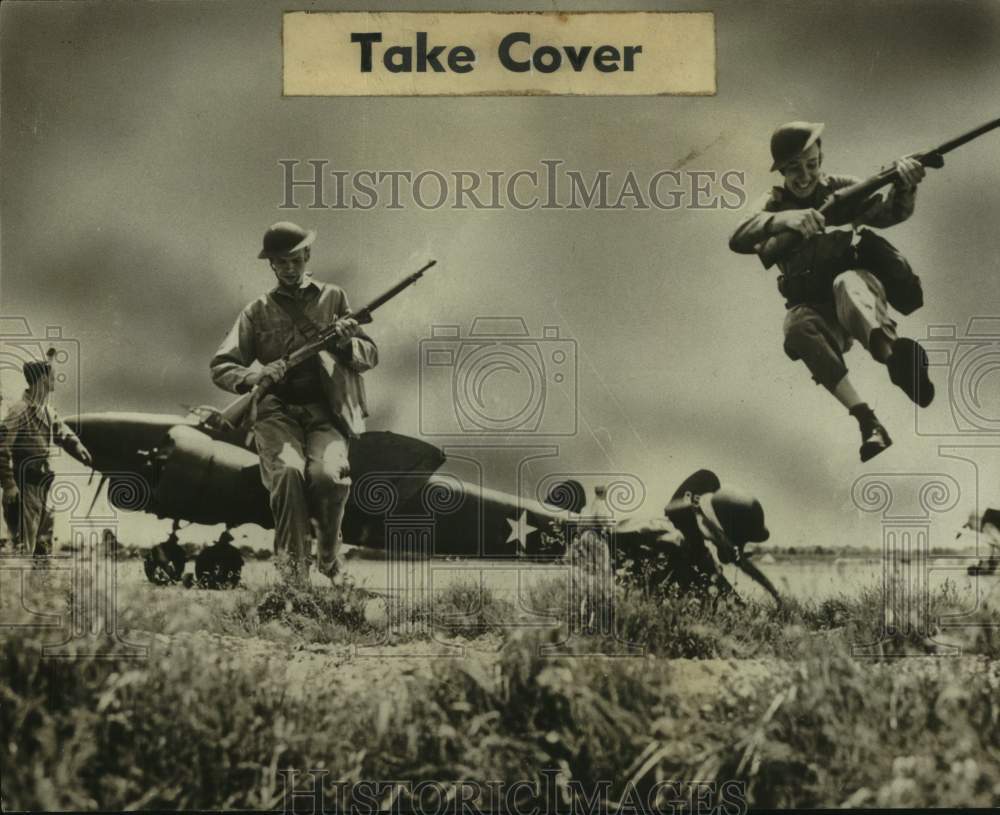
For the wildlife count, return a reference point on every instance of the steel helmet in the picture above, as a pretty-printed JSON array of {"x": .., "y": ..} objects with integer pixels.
[
  {"x": 791, "y": 139},
  {"x": 284, "y": 238},
  {"x": 740, "y": 515}
]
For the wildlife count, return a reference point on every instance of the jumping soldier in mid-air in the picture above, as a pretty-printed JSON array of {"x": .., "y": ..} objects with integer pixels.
[{"x": 836, "y": 288}]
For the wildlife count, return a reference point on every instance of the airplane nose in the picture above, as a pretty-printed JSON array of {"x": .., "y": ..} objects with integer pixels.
[{"x": 121, "y": 441}]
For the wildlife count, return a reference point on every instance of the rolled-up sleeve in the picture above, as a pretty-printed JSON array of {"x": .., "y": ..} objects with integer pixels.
[
  {"x": 361, "y": 353},
  {"x": 888, "y": 210},
  {"x": 231, "y": 363},
  {"x": 754, "y": 229},
  {"x": 880, "y": 210},
  {"x": 63, "y": 436}
]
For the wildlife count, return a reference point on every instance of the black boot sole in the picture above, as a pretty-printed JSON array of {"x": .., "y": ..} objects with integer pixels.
[
  {"x": 908, "y": 371},
  {"x": 871, "y": 449}
]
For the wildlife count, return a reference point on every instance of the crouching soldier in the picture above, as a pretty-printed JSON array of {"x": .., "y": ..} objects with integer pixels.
[
  {"x": 705, "y": 526},
  {"x": 836, "y": 288},
  {"x": 220, "y": 565},
  {"x": 727, "y": 521},
  {"x": 27, "y": 434},
  {"x": 164, "y": 563}
]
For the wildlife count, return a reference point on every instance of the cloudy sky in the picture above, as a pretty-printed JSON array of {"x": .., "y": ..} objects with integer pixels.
[{"x": 140, "y": 150}]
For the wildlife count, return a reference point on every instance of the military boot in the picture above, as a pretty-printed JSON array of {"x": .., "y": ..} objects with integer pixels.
[
  {"x": 874, "y": 437},
  {"x": 908, "y": 371}
]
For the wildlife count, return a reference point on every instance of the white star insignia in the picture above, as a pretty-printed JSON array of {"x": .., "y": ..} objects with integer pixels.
[{"x": 520, "y": 529}]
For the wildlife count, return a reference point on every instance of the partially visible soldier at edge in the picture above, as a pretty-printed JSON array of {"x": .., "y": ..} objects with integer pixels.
[
  {"x": 27, "y": 434},
  {"x": 304, "y": 423},
  {"x": 835, "y": 287}
]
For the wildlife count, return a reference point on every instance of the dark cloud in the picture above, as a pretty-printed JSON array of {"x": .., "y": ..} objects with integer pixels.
[{"x": 140, "y": 147}]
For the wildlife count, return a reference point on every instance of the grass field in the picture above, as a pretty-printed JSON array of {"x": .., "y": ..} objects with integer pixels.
[{"x": 475, "y": 684}]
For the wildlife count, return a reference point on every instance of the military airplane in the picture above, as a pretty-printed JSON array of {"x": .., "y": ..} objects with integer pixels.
[{"x": 200, "y": 468}]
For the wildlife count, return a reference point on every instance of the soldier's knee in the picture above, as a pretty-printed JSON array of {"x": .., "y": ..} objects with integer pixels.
[
  {"x": 845, "y": 280},
  {"x": 803, "y": 331},
  {"x": 331, "y": 469},
  {"x": 855, "y": 283},
  {"x": 330, "y": 476}
]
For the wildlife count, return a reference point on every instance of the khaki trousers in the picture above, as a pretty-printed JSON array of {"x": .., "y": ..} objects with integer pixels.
[
  {"x": 29, "y": 521},
  {"x": 820, "y": 333},
  {"x": 304, "y": 466}
]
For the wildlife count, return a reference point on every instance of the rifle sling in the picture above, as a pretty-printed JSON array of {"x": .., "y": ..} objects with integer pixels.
[
  {"x": 302, "y": 321},
  {"x": 307, "y": 326},
  {"x": 287, "y": 389}
]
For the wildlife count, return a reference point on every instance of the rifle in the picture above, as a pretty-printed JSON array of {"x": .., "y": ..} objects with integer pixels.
[
  {"x": 839, "y": 206},
  {"x": 235, "y": 413}
]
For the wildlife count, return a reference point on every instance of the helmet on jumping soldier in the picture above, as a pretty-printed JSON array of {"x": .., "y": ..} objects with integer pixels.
[{"x": 792, "y": 139}]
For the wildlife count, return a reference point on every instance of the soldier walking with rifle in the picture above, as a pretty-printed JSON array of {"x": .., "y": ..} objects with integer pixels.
[
  {"x": 838, "y": 284},
  {"x": 304, "y": 414}
]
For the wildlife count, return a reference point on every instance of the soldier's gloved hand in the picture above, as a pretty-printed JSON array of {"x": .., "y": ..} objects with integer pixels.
[
  {"x": 911, "y": 172},
  {"x": 807, "y": 222},
  {"x": 269, "y": 374},
  {"x": 11, "y": 494}
]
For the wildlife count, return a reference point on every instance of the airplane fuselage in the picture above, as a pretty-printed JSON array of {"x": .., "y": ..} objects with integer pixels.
[{"x": 401, "y": 499}]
